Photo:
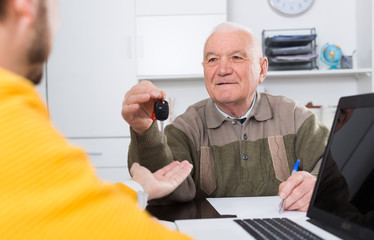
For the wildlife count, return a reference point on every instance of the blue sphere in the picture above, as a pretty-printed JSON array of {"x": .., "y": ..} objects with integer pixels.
[{"x": 331, "y": 55}]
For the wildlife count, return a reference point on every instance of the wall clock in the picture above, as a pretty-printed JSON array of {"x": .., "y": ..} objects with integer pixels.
[{"x": 291, "y": 7}]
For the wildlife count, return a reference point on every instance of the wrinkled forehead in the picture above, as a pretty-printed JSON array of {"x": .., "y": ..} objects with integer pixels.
[{"x": 228, "y": 41}]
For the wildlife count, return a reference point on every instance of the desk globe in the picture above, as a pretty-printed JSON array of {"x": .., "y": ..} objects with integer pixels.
[{"x": 331, "y": 55}]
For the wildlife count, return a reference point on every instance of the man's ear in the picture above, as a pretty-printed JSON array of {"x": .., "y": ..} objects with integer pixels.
[
  {"x": 264, "y": 69},
  {"x": 25, "y": 9}
]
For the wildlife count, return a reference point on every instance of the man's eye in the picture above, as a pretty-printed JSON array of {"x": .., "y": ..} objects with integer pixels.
[
  {"x": 212, "y": 59},
  {"x": 237, "y": 59}
]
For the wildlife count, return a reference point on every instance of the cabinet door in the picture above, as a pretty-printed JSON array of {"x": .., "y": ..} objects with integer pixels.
[
  {"x": 173, "y": 45},
  {"x": 173, "y": 7},
  {"x": 105, "y": 152},
  {"x": 91, "y": 67}
]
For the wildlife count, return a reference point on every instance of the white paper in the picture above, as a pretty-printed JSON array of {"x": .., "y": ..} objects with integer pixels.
[{"x": 252, "y": 207}]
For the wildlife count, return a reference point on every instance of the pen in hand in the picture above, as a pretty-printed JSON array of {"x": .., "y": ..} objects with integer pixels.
[{"x": 295, "y": 167}]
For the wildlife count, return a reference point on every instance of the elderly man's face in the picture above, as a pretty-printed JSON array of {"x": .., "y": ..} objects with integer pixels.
[{"x": 231, "y": 70}]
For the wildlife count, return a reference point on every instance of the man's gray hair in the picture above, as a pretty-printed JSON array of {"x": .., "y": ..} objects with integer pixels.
[{"x": 233, "y": 26}]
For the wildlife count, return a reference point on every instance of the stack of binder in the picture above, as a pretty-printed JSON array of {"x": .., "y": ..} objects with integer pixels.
[{"x": 290, "y": 52}]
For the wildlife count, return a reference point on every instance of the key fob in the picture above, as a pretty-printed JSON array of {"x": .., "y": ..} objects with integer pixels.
[{"x": 161, "y": 109}]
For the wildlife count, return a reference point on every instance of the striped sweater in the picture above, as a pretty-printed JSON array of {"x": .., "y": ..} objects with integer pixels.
[
  {"x": 231, "y": 159},
  {"x": 49, "y": 189}
]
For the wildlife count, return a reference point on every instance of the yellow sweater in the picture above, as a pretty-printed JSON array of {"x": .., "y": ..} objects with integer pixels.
[{"x": 49, "y": 189}]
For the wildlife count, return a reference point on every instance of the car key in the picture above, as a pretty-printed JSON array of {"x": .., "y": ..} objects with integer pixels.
[{"x": 161, "y": 113}]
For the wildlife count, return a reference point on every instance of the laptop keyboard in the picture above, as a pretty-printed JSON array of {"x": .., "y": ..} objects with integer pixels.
[{"x": 275, "y": 228}]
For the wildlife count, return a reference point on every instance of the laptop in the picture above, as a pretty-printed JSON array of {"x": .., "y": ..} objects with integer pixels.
[
  {"x": 342, "y": 204},
  {"x": 343, "y": 198}
]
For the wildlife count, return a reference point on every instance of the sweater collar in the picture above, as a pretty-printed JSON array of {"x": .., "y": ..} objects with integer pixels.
[
  {"x": 245, "y": 116},
  {"x": 11, "y": 78},
  {"x": 261, "y": 111},
  {"x": 12, "y": 84}
]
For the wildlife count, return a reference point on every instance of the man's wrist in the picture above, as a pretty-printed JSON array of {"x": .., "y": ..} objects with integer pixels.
[
  {"x": 142, "y": 129},
  {"x": 141, "y": 194}
]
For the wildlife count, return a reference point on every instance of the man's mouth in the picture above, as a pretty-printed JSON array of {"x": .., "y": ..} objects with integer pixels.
[{"x": 224, "y": 83}]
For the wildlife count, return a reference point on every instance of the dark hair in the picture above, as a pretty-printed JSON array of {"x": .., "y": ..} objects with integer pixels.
[{"x": 3, "y": 4}]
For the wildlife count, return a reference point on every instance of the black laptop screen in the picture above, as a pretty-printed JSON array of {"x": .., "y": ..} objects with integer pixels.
[{"x": 344, "y": 194}]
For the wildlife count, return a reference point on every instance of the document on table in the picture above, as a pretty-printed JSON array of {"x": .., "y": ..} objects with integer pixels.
[{"x": 252, "y": 207}]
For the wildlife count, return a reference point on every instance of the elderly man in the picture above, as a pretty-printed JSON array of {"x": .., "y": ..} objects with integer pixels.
[
  {"x": 241, "y": 142},
  {"x": 48, "y": 187}
]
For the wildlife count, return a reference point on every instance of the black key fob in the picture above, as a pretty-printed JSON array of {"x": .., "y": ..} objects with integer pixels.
[{"x": 161, "y": 108}]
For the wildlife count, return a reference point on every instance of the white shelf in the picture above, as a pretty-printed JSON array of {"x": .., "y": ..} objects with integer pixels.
[
  {"x": 170, "y": 77},
  {"x": 320, "y": 73},
  {"x": 271, "y": 74}
]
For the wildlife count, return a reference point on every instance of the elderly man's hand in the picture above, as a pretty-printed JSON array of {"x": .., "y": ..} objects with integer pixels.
[
  {"x": 297, "y": 191},
  {"x": 162, "y": 182},
  {"x": 138, "y": 105}
]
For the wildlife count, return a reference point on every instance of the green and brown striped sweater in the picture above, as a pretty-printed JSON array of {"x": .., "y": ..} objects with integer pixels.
[{"x": 231, "y": 159}]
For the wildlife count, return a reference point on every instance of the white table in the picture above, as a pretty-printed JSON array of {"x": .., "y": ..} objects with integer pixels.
[{"x": 243, "y": 207}]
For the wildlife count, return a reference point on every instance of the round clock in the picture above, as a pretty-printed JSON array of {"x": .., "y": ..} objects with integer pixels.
[{"x": 291, "y": 7}]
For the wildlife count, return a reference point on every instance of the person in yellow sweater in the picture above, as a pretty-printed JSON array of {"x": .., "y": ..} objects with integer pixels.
[{"x": 48, "y": 188}]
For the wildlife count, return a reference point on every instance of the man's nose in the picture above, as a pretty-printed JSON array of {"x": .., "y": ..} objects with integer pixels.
[{"x": 224, "y": 67}]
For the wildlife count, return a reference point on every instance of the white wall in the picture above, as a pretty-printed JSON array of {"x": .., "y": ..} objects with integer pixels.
[
  {"x": 335, "y": 22},
  {"x": 364, "y": 15}
]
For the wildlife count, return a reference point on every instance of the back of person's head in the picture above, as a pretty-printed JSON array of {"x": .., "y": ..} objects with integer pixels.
[{"x": 25, "y": 38}]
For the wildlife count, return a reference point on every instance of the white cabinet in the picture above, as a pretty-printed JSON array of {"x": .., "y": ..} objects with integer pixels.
[
  {"x": 170, "y": 39},
  {"x": 91, "y": 67},
  {"x": 105, "y": 152},
  {"x": 173, "y": 45},
  {"x": 171, "y": 35},
  {"x": 180, "y": 7},
  {"x": 108, "y": 155}
]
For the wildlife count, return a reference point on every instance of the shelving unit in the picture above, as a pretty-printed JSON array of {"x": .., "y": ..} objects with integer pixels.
[{"x": 290, "y": 49}]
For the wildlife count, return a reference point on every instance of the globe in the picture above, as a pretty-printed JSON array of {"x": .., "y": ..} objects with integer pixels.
[{"x": 331, "y": 55}]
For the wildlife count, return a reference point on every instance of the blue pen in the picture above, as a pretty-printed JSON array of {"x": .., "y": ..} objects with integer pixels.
[{"x": 295, "y": 167}]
